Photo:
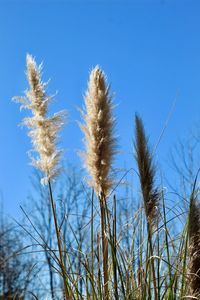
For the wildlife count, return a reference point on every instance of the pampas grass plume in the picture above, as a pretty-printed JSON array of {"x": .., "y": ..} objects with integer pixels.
[
  {"x": 43, "y": 129},
  {"x": 98, "y": 129},
  {"x": 146, "y": 168}
]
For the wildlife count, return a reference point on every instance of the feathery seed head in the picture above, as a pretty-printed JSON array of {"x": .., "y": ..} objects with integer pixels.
[
  {"x": 98, "y": 129},
  {"x": 43, "y": 130},
  {"x": 146, "y": 168}
]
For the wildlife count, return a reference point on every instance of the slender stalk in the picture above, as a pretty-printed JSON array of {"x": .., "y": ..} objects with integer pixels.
[
  {"x": 152, "y": 260},
  {"x": 99, "y": 267},
  {"x": 62, "y": 266},
  {"x": 92, "y": 239},
  {"x": 141, "y": 283},
  {"x": 158, "y": 264},
  {"x": 182, "y": 292},
  {"x": 170, "y": 294},
  {"x": 104, "y": 240},
  {"x": 115, "y": 249},
  {"x": 113, "y": 243},
  {"x": 147, "y": 273}
]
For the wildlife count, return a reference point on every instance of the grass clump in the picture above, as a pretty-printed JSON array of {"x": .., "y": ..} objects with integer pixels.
[{"x": 128, "y": 248}]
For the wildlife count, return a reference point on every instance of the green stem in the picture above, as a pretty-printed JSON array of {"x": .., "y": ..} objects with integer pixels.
[
  {"x": 62, "y": 266},
  {"x": 170, "y": 294}
]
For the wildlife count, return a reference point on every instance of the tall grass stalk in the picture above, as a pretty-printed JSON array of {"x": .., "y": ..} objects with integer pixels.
[
  {"x": 151, "y": 196},
  {"x": 59, "y": 243},
  {"x": 170, "y": 284},
  {"x": 44, "y": 134},
  {"x": 104, "y": 245},
  {"x": 92, "y": 239},
  {"x": 114, "y": 250},
  {"x": 100, "y": 147}
]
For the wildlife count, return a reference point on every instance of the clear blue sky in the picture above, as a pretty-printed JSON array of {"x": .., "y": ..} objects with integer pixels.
[{"x": 148, "y": 49}]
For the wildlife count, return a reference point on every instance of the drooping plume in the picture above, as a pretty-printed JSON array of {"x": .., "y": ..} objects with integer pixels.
[
  {"x": 146, "y": 168},
  {"x": 43, "y": 129},
  {"x": 98, "y": 129},
  {"x": 194, "y": 248}
]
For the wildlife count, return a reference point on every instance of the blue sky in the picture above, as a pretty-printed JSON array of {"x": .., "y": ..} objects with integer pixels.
[{"x": 150, "y": 51}]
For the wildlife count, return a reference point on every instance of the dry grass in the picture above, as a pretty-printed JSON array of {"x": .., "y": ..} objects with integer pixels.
[
  {"x": 98, "y": 129},
  {"x": 136, "y": 254}
]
